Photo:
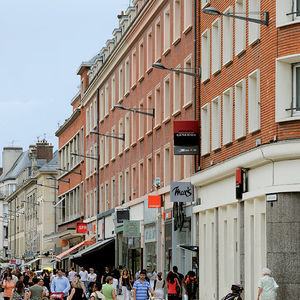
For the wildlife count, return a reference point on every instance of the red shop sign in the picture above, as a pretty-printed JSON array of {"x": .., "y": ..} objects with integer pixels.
[{"x": 81, "y": 228}]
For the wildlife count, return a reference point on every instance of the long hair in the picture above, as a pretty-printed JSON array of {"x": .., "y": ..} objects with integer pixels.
[
  {"x": 19, "y": 287},
  {"x": 125, "y": 271},
  {"x": 171, "y": 277},
  {"x": 78, "y": 283}
]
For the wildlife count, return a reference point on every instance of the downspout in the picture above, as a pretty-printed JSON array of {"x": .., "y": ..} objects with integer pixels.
[
  {"x": 97, "y": 168},
  {"x": 195, "y": 78}
]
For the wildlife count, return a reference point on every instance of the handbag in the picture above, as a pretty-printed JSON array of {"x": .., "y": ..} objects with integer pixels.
[{"x": 128, "y": 287}]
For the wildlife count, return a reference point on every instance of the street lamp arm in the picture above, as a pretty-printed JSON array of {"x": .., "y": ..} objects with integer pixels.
[
  {"x": 136, "y": 110},
  {"x": 122, "y": 137},
  {"x": 265, "y": 21},
  {"x": 198, "y": 75},
  {"x": 48, "y": 186},
  {"x": 85, "y": 156}
]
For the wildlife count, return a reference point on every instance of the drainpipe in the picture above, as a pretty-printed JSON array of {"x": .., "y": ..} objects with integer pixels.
[{"x": 97, "y": 168}]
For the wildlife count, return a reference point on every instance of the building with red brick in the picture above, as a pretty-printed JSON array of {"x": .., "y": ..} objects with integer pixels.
[{"x": 250, "y": 129}]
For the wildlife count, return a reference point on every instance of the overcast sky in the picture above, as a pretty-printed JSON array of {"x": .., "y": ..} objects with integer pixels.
[{"x": 42, "y": 44}]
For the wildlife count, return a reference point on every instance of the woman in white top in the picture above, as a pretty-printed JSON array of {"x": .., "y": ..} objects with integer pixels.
[
  {"x": 92, "y": 277},
  {"x": 159, "y": 285},
  {"x": 267, "y": 286}
]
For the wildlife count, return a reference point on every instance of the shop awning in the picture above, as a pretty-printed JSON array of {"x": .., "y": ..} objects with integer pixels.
[
  {"x": 189, "y": 247},
  {"x": 74, "y": 248},
  {"x": 97, "y": 246},
  {"x": 31, "y": 262}
]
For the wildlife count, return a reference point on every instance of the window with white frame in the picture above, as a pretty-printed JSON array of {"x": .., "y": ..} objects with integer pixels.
[
  {"x": 106, "y": 149},
  {"x": 95, "y": 113},
  {"x": 157, "y": 165},
  {"x": 141, "y": 60},
  {"x": 127, "y": 76},
  {"x": 167, "y": 165},
  {"x": 176, "y": 92},
  {"x": 133, "y": 68},
  {"x": 149, "y": 173},
  {"x": 205, "y": 129},
  {"x": 240, "y": 28},
  {"x": 187, "y": 165},
  {"x": 216, "y": 46},
  {"x": 113, "y": 91},
  {"x": 127, "y": 131},
  {"x": 141, "y": 127},
  {"x": 107, "y": 204},
  {"x": 216, "y": 123},
  {"x": 253, "y": 28},
  {"x": 287, "y": 12},
  {"x": 102, "y": 152},
  {"x": 87, "y": 122},
  {"x": 188, "y": 14},
  {"x": 149, "y": 120},
  {"x": 91, "y": 203},
  {"x": 91, "y": 116},
  {"x": 121, "y": 189},
  {"x": 167, "y": 29},
  {"x": 240, "y": 109},
  {"x": 204, "y": 3},
  {"x": 188, "y": 82},
  {"x": 205, "y": 55},
  {"x": 177, "y": 161},
  {"x": 149, "y": 50},
  {"x": 121, "y": 83},
  {"x": 102, "y": 104},
  {"x": 157, "y": 40},
  {"x": 157, "y": 106},
  {"x": 121, "y": 131},
  {"x": 287, "y": 88},
  {"x": 134, "y": 181},
  {"x": 141, "y": 178},
  {"x": 96, "y": 209},
  {"x": 176, "y": 20},
  {"x": 167, "y": 98},
  {"x": 102, "y": 199},
  {"x": 134, "y": 130},
  {"x": 127, "y": 185},
  {"x": 113, "y": 191},
  {"x": 87, "y": 205},
  {"x": 113, "y": 143},
  {"x": 227, "y": 116},
  {"x": 227, "y": 37},
  {"x": 254, "y": 101},
  {"x": 106, "y": 110}
]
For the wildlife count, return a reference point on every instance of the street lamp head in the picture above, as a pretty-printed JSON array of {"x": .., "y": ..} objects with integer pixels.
[
  {"x": 159, "y": 66},
  {"x": 119, "y": 107},
  {"x": 211, "y": 11}
]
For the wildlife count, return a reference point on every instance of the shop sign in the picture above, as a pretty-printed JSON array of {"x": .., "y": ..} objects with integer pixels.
[
  {"x": 81, "y": 228},
  {"x": 13, "y": 261},
  {"x": 181, "y": 192},
  {"x": 186, "y": 137},
  {"x": 150, "y": 234},
  {"x": 131, "y": 228},
  {"x": 154, "y": 201},
  {"x": 122, "y": 215}
]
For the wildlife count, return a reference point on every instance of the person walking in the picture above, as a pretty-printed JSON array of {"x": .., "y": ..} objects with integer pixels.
[
  {"x": 108, "y": 289},
  {"x": 236, "y": 291},
  {"x": 92, "y": 278},
  {"x": 77, "y": 291},
  {"x": 267, "y": 286},
  {"x": 71, "y": 275},
  {"x": 8, "y": 285},
  {"x": 125, "y": 284},
  {"x": 173, "y": 286},
  {"x": 191, "y": 285},
  {"x": 19, "y": 291},
  {"x": 96, "y": 294},
  {"x": 159, "y": 285},
  {"x": 84, "y": 277},
  {"x": 141, "y": 287},
  {"x": 105, "y": 274},
  {"x": 45, "y": 289},
  {"x": 36, "y": 291},
  {"x": 60, "y": 284}
]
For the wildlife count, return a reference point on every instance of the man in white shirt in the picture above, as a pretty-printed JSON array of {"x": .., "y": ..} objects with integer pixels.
[
  {"x": 72, "y": 275},
  {"x": 84, "y": 277}
]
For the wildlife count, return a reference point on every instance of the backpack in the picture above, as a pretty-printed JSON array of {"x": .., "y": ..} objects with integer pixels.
[{"x": 191, "y": 284}]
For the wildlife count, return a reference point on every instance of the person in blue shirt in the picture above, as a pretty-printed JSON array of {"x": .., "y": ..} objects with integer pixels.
[
  {"x": 141, "y": 288},
  {"x": 60, "y": 284}
]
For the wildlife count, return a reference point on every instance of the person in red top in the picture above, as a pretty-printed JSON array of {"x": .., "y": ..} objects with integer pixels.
[
  {"x": 173, "y": 286},
  {"x": 191, "y": 285}
]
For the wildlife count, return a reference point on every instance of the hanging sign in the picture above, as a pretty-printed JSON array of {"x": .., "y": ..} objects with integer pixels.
[
  {"x": 154, "y": 201},
  {"x": 81, "y": 228},
  {"x": 132, "y": 229},
  {"x": 122, "y": 215},
  {"x": 186, "y": 137},
  {"x": 181, "y": 192}
]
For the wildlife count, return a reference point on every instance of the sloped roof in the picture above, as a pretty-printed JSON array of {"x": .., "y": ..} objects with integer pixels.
[
  {"x": 52, "y": 164},
  {"x": 89, "y": 63}
]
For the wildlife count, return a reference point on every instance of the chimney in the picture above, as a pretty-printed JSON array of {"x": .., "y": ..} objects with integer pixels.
[
  {"x": 9, "y": 157},
  {"x": 1, "y": 171},
  {"x": 44, "y": 150}
]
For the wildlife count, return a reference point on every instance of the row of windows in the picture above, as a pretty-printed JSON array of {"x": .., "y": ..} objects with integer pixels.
[
  {"x": 70, "y": 205},
  {"x": 76, "y": 145},
  {"x": 222, "y": 53},
  {"x": 214, "y": 123},
  {"x": 141, "y": 58}
]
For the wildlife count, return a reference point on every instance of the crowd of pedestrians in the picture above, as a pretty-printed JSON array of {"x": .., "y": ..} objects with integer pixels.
[{"x": 58, "y": 285}]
